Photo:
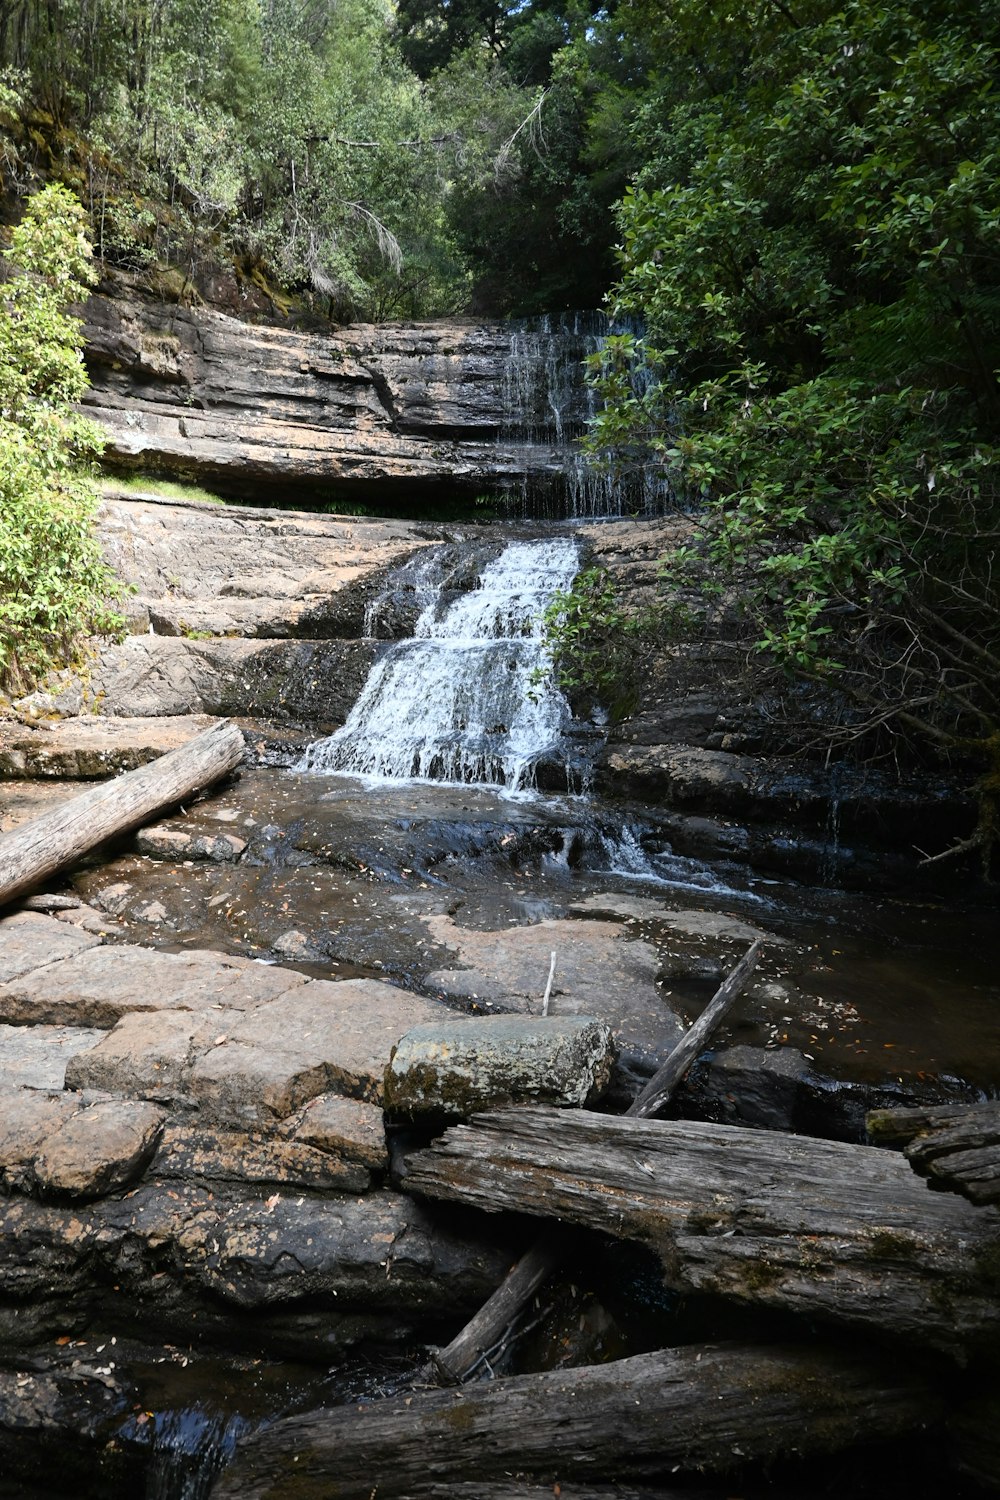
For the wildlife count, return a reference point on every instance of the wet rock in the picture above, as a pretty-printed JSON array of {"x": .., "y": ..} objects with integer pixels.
[
  {"x": 778, "y": 1089},
  {"x": 30, "y": 940},
  {"x": 37, "y": 1056},
  {"x": 600, "y": 971},
  {"x": 451, "y": 1070},
  {"x": 63, "y": 1426},
  {"x": 203, "y": 1154},
  {"x": 349, "y": 1128},
  {"x": 163, "y": 841},
  {"x": 98, "y": 1149},
  {"x": 294, "y": 945},
  {"x": 99, "y": 986},
  {"x": 336, "y": 1268}
]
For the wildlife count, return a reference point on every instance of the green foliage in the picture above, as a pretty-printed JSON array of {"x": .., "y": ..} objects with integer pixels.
[
  {"x": 595, "y": 644},
  {"x": 811, "y": 247},
  {"x": 54, "y": 586}
]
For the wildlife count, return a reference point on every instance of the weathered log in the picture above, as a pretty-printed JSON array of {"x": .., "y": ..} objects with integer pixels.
[
  {"x": 705, "y": 1407},
  {"x": 834, "y": 1231},
  {"x": 488, "y": 1328},
  {"x": 64, "y": 834},
  {"x": 956, "y": 1148},
  {"x": 664, "y": 1083}
]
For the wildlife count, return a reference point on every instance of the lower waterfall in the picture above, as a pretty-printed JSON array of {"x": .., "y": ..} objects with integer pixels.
[{"x": 466, "y": 699}]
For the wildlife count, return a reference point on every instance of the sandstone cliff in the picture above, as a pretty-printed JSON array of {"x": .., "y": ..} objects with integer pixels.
[{"x": 261, "y": 411}]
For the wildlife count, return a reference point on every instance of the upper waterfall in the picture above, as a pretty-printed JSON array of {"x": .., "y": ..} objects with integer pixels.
[{"x": 459, "y": 701}]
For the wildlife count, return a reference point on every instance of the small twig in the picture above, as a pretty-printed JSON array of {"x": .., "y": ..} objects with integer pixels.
[{"x": 548, "y": 987}]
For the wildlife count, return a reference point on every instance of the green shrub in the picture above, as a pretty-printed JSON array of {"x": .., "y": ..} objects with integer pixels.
[{"x": 55, "y": 588}]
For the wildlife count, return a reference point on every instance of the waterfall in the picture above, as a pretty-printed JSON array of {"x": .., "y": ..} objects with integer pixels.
[
  {"x": 459, "y": 702},
  {"x": 548, "y": 399}
]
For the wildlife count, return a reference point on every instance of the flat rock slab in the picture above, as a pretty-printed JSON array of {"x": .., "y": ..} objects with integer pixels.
[
  {"x": 600, "y": 971},
  {"x": 712, "y": 925},
  {"x": 449, "y": 1070},
  {"x": 29, "y": 940},
  {"x": 60, "y": 1145},
  {"x": 327, "y": 1037},
  {"x": 98, "y": 987},
  {"x": 88, "y": 747},
  {"x": 256, "y": 1067},
  {"x": 37, "y": 1056}
]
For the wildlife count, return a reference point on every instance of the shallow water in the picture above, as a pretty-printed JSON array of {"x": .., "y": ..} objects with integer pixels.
[{"x": 345, "y": 878}]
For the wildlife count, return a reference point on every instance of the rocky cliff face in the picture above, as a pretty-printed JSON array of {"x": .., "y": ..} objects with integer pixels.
[{"x": 405, "y": 407}]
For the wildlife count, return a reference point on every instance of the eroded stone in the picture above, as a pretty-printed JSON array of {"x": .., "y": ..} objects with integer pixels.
[
  {"x": 99, "y": 1148},
  {"x": 451, "y": 1070},
  {"x": 347, "y": 1127},
  {"x": 209, "y": 1155}
]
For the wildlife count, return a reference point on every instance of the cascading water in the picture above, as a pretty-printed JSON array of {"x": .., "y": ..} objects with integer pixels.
[
  {"x": 547, "y": 396},
  {"x": 466, "y": 699}
]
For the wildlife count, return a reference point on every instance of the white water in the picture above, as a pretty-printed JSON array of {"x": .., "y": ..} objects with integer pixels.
[{"x": 458, "y": 702}]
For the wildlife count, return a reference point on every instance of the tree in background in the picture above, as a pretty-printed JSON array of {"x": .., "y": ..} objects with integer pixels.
[
  {"x": 812, "y": 245},
  {"x": 54, "y": 587}
]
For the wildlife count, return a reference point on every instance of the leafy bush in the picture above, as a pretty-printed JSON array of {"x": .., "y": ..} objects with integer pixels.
[{"x": 55, "y": 589}]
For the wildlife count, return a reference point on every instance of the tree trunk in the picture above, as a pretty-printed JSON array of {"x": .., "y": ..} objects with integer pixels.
[
  {"x": 65, "y": 834},
  {"x": 829, "y": 1230},
  {"x": 705, "y": 1407}
]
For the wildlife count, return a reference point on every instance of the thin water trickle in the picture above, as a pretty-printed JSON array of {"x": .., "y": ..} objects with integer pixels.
[{"x": 467, "y": 698}]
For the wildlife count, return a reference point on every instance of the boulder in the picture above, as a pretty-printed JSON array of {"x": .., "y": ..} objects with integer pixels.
[{"x": 449, "y": 1070}]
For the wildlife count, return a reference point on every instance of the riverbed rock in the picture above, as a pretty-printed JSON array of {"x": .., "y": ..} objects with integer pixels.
[
  {"x": 449, "y": 1070},
  {"x": 350, "y": 1128},
  {"x": 300, "y": 1273},
  {"x": 200, "y": 1153},
  {"x": 600, "y": 971},
  {"x": 98, "y": 986},
  {"x": 252, "y": 1067},
  {"x": 89, "y": 746},
  {"x": 61, "y": 1145},
  {"x": 37, "y": 1056},
  {"x": 31, "y": 940},
  {"x": 99, "y": 1148},
  {"x": 168, "y": 841}
]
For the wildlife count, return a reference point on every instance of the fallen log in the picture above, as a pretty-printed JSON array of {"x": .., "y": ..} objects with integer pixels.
[
  {"x": 64, "y": 834},
  {"x": 705, "y": 1407},
  {"x": 830, "y": 1230},
  {"x": 489, "y": 1329},
  {"x": 956, "y": 1148}
]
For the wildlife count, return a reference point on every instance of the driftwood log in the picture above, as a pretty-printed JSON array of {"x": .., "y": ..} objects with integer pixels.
[
  {"x": 830, "y": 1230},
  {"x": 66, "y": 833},
  {"x": 491, "y": 1326},
  {"x": 701, "y": 1407},
  {"x": 955, "y": 1147}
]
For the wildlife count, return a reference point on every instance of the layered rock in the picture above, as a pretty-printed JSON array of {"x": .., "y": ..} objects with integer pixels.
[{"x": 405, "y": 407}]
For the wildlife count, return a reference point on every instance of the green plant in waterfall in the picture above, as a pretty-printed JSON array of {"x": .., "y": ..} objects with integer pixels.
[{"x": 55, "y": 588}]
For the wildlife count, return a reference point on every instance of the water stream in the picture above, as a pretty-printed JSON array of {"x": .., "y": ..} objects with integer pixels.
[{"x": 467, "y": 699}]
